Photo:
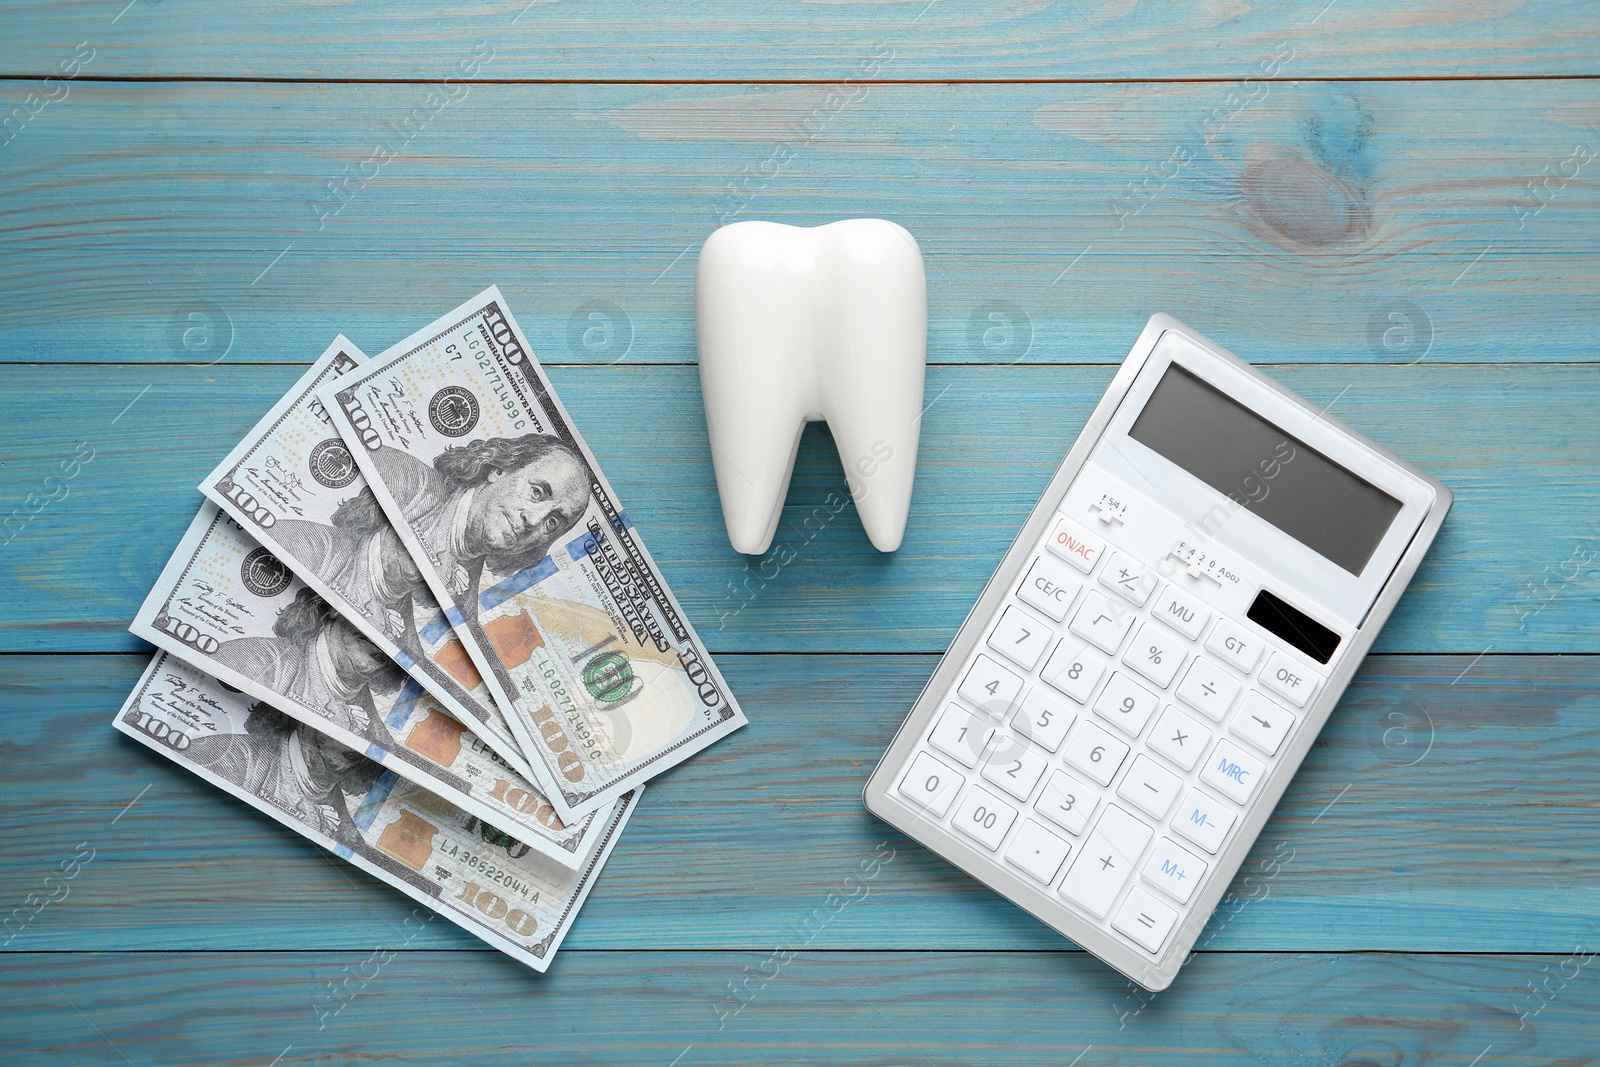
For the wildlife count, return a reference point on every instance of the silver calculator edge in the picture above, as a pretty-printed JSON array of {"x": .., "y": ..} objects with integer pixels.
[{"x": 880, "y": 799}]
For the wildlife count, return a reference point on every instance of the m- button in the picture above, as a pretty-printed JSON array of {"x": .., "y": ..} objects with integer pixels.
[{"x": 1288, "y": 679}]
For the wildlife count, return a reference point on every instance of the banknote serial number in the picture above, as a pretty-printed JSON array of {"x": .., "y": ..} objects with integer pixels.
[{"x": 491, "y": 872}]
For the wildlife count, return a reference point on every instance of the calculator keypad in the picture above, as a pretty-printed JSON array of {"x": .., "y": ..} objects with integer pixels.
[{"x": 1109, "y": 734}]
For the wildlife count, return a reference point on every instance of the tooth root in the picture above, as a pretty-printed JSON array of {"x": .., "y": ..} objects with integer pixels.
[
  {"x": 796, "y": 324},
  {"x": 873, "y": 373}
]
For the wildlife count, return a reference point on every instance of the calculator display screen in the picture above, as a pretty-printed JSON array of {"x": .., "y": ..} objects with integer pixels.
[{"x": 1258, "y": 466}]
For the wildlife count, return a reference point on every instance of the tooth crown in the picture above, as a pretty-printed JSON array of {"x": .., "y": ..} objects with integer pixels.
[{"x": 801, "y": 324}]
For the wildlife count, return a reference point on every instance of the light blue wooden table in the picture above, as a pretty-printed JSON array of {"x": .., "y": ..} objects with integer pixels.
[{"x": 1392, "y": 204}]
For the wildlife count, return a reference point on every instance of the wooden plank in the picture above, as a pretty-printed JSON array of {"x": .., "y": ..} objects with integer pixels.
[
  {"x": 1297, "y": 221},
  {"x": 956, "y": 1008},
  {"x": 751, "y": 41},
  {"x": 1513, "y": 570},
  {"x": 1441, "y": 810}
]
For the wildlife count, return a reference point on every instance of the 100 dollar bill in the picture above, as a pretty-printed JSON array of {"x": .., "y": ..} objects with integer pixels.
[
  {"x": 504, "y": 509},
  {"x": 485, "y": 882},
  {"x": 227, "y": 606},
  {"x": 293, "y": 484}
]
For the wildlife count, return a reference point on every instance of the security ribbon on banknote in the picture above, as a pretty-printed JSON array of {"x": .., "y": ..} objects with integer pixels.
[
  {"x": 294, "y": 486},
  {"x": 542, "y": 575},
  {"x": 490, "y": 884},
  {"x": 226, "y": 605}
]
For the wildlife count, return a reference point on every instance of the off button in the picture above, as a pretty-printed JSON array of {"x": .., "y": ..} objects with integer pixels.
[{"x": 1288, "y": 679}]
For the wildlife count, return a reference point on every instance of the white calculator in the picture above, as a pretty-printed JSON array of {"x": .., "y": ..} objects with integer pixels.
[{"x": 1142, "y": 676}]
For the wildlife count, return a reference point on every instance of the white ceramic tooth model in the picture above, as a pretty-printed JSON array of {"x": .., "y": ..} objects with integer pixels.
[{"x": 798, "y": 324}]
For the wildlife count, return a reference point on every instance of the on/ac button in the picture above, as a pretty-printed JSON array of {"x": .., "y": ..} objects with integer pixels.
[{"x": 1075, "y": 545}]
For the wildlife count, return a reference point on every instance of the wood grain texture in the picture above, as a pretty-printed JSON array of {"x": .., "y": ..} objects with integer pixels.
[
  {"x": 992, "y": 1008},
  {"x": 700, "y": 39},
  {"x": 1514, "y": 569},
  {"x": 1443, "y": 809},
  {"x": 1297, "y": 221}
]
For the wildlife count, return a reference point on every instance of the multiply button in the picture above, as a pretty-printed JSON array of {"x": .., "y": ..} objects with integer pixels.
[
  {"x": 1048, "y": 588},
  {"x": 1288, "y": 679},
  {"x": 1075, "y": 545}
]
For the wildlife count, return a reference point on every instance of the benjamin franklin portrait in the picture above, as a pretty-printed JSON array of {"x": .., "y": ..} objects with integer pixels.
[
  {"x": 321, "y": 662},
  {"x": 361, "y": 556},
  {"x": 495, "y": 505}
]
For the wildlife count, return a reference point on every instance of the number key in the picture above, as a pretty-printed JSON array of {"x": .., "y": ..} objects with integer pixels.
[
  {"x": 1020, "y": 638},
  {"x": 1067, "y": 802},
  {"x": 1095, "y": 752},
  {"x": 1043, "y": 719},
  {"x": 991, "y": 687},
  {"x": 1126, "y": 704},
  {"x": 961, "y": 735},
  {"x": 984, "y": 817},
  {"x": 1015, "y": 767},
  {"x": 930, "y": 784},
  {"x": 1074, "y": 670}
]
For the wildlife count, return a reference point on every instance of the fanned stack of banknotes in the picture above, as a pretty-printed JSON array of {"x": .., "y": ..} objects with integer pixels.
[{"x": 414, "y": 624}]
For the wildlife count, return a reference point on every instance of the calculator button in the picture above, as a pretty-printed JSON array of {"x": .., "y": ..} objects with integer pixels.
[
  {"x": 1129, "y": 578},
  {"x": 1015, "y": 767},
  {"x": 1208, "y": 689},
  {"x": 1076, "y": 545},
  {"x": 1174, "y": 870},
  {"x": 1149, "y": 787},
  {"x": 1044, "y": 719},
  {"x": 1179, "y": 737},
  {"x": 930, "y": 784},
  {"x": 1236, "y": 645},
  {"x": 1049, "y": 587},
  {"x": 1203, "y": 819},
  {"x": 1095, "y": 752},
  {"x": 1126, "y": 704},
  {"x": 1105, "y": 861},
  {"x": 1145, "y": 920},
  {"x": 991, "y": 687},
  {"x": 1074, "y": 670},
  {"x": 1156, "y": 654},
  {"x": 1261, "y": 724},
  {"x": 984, "y": 817},
  {"x": 1037, "y": 851},
  {"x": 1102, "y": 623},
  {"x": 1020, "y": 638},
  {"x": 1288, "y": 679},
  {"x": 961, "y": 735},
  {"x": 1181, "y": 612},
  {"x": 1067, "y": 802},
  {"x": 1232, "y": 771}
]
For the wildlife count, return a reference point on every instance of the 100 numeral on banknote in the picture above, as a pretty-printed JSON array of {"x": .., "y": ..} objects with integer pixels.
[{"x": 502, "y": 505}]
